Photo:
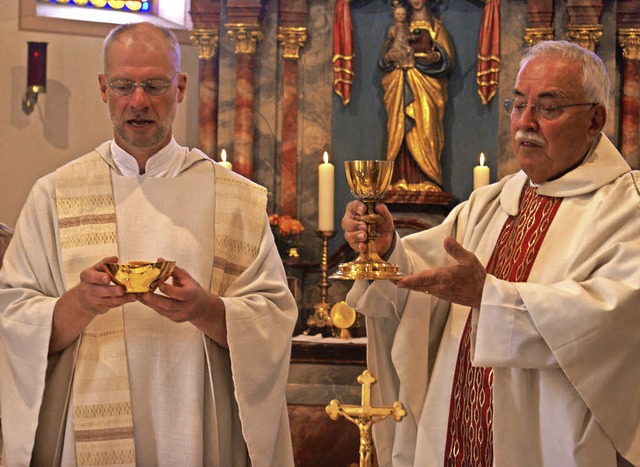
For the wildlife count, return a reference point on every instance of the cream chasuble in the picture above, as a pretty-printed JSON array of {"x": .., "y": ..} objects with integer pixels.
[
  {"x": 103, "y": 424},
  {"x": 193, "y": 402},
  {"x": 563, "y": 345}
]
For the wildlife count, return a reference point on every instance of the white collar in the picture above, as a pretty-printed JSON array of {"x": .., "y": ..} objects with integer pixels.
[
  {"x": 167, "y": 162},
  {"x": 602, "y": 166}
]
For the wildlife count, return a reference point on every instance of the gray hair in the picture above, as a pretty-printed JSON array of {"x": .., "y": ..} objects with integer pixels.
[
  {"x": 595, "y": 79},
  {"x": 143, "y": 29},
  {"x": 6, "y": 233}
]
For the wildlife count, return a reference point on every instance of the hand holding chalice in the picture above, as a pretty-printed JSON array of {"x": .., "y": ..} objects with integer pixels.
[{"x": 368, "y": 181}]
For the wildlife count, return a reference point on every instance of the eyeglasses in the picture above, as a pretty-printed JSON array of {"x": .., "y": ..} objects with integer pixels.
[
  {"x": 514, "y": 108},
  {"x": 153, "y": 87}
]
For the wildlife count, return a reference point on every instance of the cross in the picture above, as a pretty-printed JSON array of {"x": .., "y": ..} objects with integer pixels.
[{"x": 365, "y": 415}]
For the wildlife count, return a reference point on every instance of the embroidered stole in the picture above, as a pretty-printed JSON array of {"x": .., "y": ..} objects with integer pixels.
[
  {"x": 470, "y": 428},
  {"x": 238, "y": 232},
  {"x": 102, "y": 411}
]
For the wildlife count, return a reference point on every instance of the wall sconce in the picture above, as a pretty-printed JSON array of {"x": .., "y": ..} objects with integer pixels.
[{"x": 36, "y": 75}]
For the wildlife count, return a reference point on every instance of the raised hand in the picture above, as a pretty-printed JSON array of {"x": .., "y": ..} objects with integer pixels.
[{"x": 461, "y": 283}]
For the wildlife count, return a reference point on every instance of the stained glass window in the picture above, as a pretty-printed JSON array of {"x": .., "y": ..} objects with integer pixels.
[{"x": 141, "y": 6}]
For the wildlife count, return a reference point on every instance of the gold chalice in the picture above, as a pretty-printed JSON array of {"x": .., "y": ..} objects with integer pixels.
[
  {"x": 368, "y": 182},
  {"x": 139, "y": 276}
]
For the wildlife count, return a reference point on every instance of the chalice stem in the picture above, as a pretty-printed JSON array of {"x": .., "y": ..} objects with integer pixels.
[{"x": 371, "y": 254}]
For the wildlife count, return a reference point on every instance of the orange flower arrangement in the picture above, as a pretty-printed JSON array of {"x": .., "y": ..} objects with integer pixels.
[
  {"x": 286, "y": 225},
  {"x": 286, "y": 230}
]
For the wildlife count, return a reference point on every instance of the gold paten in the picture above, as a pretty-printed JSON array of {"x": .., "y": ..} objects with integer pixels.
[
  {"x": 368, "y": 181},
  {"x": 139, "y": 276},
  {"x": 365, "y": 415},
  {"x": 343, "y": 317}
]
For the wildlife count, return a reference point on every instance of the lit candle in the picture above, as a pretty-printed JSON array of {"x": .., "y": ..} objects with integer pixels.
[
  {"x": 223, "y": 160},
  {"x": 481, "y": 174},
  {"x": 325, "y": 194}
]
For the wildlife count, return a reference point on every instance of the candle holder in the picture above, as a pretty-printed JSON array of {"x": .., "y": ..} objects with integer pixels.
[
  {"x": 36, "y": 75},
  {"x": 321, "y": 317}
]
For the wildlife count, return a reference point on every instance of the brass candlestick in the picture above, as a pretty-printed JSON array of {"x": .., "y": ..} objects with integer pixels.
[
  {"x": 368, "y": 181},
  {"x": 321, "y": 317}
]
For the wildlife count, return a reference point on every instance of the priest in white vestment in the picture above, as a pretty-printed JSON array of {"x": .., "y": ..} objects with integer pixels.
[
  {"x": 513, "y": 341},
  {"x": 192, "y": 374}
]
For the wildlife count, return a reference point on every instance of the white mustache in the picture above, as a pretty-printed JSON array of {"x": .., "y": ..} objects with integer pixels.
[{"x": 529, "y": 137}]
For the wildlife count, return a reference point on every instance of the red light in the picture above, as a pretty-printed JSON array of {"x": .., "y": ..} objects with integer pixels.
[{"x": 37, "y": 64}]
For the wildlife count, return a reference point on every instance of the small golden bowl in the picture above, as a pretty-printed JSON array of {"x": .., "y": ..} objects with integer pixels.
[{"x": 139, "y": 276}]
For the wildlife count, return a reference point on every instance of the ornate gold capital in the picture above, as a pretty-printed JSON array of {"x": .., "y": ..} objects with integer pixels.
[
  {"x": 585, "y": 35},
  {"x": 245, "y": 37},
  {"x": 207, "y": 40},
  {"x": 292, "y": 40},
  {"x": 534, "y": 35},
  {"x": 629, "y": 39}
]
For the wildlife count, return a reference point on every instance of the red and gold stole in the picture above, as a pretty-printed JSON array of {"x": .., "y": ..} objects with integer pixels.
[{"x": 470, "y": 429}]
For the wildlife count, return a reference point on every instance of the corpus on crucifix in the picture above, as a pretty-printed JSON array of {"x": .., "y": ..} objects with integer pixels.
[{"x": 365, "y": 415}]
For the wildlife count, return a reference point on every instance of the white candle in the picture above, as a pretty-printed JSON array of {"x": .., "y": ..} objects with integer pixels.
[
  {"x": 481, "y": 174},
  {"x": 223, "y": 160},
  {"x": 325, "y": 194}
]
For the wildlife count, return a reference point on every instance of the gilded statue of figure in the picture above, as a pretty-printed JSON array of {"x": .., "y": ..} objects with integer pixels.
[
  {"x": 399, "y": 50},
  {"x": 415, "y": 96}
]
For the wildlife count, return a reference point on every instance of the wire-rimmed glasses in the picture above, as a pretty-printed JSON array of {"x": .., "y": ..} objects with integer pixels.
[
  {"x": 515, "y": 108},
  {"x": 153, "y": 87}
]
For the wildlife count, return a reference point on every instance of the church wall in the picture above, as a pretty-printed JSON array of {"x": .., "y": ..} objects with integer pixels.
[
  {"x": 514, "y": 22},
  {"x": 358, "y": 129},
  {"x": 70, "y": 119},
  {"x": 314, "y": 106}
]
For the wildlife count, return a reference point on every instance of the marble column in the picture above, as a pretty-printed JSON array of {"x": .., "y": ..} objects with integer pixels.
[
  {"x": 292, "y": 35},
  {"x": 628, "y": 22},
  {"x": 207, "y": 40},
  {"x": 584, "y": 26},
  {"x": 245, "y": 31},
  {"x": 539, "y": 20},
  {"x": 205, "y": 16}
]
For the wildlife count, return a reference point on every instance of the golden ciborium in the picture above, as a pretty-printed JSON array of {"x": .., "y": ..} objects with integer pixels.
[
  {"x": 139, "y": 276},
  {"x": 368, "y": 181}
]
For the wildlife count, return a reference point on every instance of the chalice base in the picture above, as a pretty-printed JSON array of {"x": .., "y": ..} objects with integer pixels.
[{"x": 370, "y": 270}]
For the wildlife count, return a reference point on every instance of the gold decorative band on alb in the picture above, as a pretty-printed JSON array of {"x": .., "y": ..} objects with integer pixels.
[{"x": 368, "y": 181}]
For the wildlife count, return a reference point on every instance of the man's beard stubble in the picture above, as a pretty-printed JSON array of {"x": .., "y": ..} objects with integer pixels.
[{"x": 145, "y": 142}]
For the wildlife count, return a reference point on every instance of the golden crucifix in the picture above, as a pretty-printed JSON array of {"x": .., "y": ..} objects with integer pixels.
[{"x": 365, "y": 415}]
